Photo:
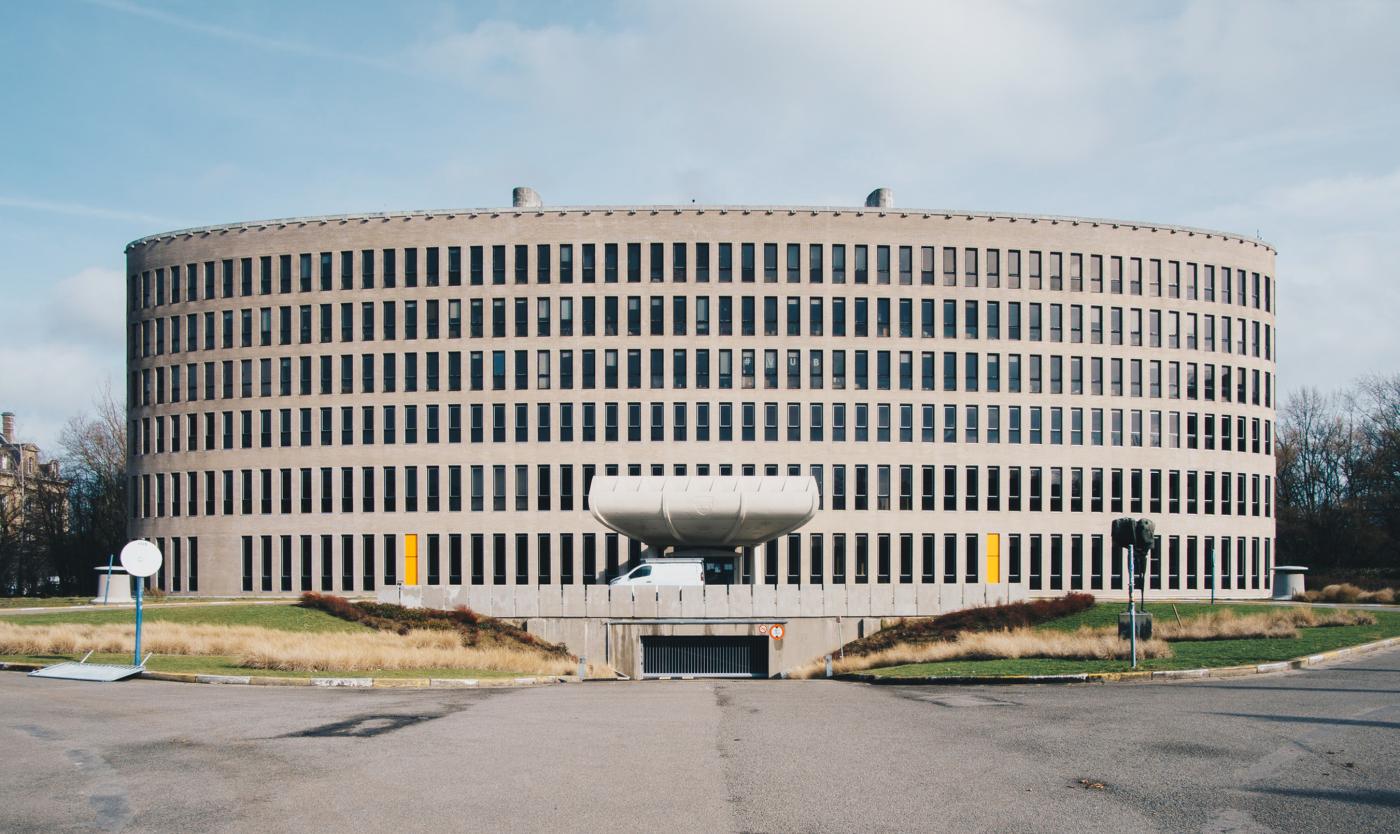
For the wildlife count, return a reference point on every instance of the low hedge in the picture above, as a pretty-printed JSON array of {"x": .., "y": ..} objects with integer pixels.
[
  {"x": 476, "y": 629},
  {"x": 981, "y": 618}
]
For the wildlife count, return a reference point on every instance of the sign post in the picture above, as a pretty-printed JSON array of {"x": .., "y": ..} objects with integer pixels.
[
  {"x": 1131, "y": 609},
  {"x": 107, "y": 589},
  {"x": 141, "y": 559}
]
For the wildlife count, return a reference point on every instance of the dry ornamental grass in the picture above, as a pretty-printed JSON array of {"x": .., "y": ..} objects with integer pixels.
[
  {"x": 262, "y": 648},
  {"x": 1347, "y": 592},
  {"x": 1084, "y": 644},
  {"x": 1274, "y": 623},
  {"x": 1096, "y": 643}
]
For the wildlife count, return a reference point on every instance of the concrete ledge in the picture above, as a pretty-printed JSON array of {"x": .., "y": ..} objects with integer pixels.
[
  {"x": 1233, "y": 671},
  {"x": 257, "y": 680},
  {"x": 1335, "y": 654},
  {"x": 1114, "y": 677},
  {"x": 398, "y": 683},
  {"x": 19, "y": 667},
  {"x": 224, "y": 679},
  {"x": 359, "y": 683},
  {"x": 1170, "y": 674},
  {"x": 457, "y": 683},
  {"x": 180, "y": 677}
]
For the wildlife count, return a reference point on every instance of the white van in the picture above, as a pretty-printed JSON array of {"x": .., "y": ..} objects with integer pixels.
[{"x": 665, "y": 571}]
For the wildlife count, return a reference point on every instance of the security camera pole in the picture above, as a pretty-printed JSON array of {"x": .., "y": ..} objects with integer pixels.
[{"x": 1138, "y": 535}]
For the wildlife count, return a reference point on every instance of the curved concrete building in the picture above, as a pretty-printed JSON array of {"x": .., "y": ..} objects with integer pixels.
[{"x": 353, "y": 403}]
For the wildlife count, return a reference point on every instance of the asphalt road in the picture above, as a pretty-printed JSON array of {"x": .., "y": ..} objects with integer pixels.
[{"x": 1315, "y": 750}]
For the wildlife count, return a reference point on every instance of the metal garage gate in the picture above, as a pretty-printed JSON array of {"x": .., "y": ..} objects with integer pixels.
[{"x": 704, "y": 656}]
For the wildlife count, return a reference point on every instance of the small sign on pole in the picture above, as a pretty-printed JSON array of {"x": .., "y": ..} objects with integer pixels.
[
  {"x": 107, "y": 586},
  {"x": 141, "y": 559}
]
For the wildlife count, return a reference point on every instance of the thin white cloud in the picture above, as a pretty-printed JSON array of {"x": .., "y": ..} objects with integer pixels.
[
  {"x": 737, "y": 79},
  {"x": 61, "y": 350},
  {"x": 252, "y": 39},
  {"x": 1336, "y": 237},
  {"x": 80, "y": 210},
  {"x": 87, "y": 307}
]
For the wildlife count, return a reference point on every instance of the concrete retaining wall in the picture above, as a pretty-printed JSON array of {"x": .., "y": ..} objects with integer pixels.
[{"x": 605, "y": 623}]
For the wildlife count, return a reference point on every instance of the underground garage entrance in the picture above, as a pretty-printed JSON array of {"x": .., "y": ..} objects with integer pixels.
[{"x": 704, "y": 656}]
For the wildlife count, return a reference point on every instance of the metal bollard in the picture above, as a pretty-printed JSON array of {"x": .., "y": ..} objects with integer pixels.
[
  {"x": 582, "y": 668},
  {"x": 828, "y": 666}
]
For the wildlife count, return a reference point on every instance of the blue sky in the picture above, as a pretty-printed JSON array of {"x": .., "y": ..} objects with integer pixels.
[{"x": 126, "y": 118}]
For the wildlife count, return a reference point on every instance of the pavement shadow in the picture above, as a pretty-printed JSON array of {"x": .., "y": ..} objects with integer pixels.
[
  {"x": 1311, "y": 719},
  {"x": 1266, "y": 688},
  {"x": 362, "y": 726},
  {"x": 1356, "y": 796},
  {"x": 371, "y": 724}
]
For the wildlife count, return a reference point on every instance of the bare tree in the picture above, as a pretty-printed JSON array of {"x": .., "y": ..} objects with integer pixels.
[
  {"x": 94, "y": 454},
  {"x": 96, "y": 442},
  {"x": 1338, "y": 477}
]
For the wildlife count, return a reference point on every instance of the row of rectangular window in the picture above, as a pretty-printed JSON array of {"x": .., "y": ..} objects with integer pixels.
[
  {"x": 158, "y": 336},
  {"x": 880, "y": 487},
  {"x": 893, "y": 370},
  {"x": 179, "y": 570},
  {"x": 1040, "y": 561},
  {"x": 510, "y": 423},
  {"x": 822, "y": 263}
]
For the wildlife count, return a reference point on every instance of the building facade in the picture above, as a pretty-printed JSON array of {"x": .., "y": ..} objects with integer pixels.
[
  {"x": 363, "y": 402},
  {"x": 23, "y": 472},
  {"x": 33, "y": 505}
]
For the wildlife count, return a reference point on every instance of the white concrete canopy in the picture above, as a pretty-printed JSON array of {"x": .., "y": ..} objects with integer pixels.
[{"x": 727, "y": 512}]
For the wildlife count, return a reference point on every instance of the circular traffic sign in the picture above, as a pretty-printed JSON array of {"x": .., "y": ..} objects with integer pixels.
[
  {"x": 141, "y": 558},
  {"x": 763, "y": 628},
  {"x": 776, "y": 632}
]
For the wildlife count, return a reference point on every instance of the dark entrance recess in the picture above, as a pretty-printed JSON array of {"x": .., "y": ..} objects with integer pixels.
[{"x": 704, "y": 656}]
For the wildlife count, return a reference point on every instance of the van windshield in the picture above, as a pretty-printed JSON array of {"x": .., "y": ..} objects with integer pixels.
[{"x": 644, "y": 570}]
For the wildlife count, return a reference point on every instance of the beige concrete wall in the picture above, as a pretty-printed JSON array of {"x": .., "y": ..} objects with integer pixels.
[
  {"x": 617, "y": 643},
  {"x": 821, "y": 620}
]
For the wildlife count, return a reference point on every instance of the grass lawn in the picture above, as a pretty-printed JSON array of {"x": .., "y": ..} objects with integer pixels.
[
  {"x": 60, "y": 602},
  {"x": 42, "y": 602},
  {"x": 1187, "y": 654},
  {"x": 279, "y": 617},
  {"x": 224, "y": 665}
]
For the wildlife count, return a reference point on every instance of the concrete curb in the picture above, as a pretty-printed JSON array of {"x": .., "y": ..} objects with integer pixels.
[
  {"x": 1126, "y": 677},
  {"x": 333, "y": 683}
]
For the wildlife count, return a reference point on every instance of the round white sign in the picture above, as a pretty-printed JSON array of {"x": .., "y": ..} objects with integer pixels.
[{"x": 141, "y": 558}]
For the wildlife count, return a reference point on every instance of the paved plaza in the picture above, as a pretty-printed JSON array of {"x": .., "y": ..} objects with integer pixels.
[{"x": 1302, "y": 751}]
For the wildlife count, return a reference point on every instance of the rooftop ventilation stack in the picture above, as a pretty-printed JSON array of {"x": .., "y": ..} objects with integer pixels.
[
  {"x": 880, "y": 198},
  {"x": 525, "y": 197},
  {"x": 7, "y": 427}
]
